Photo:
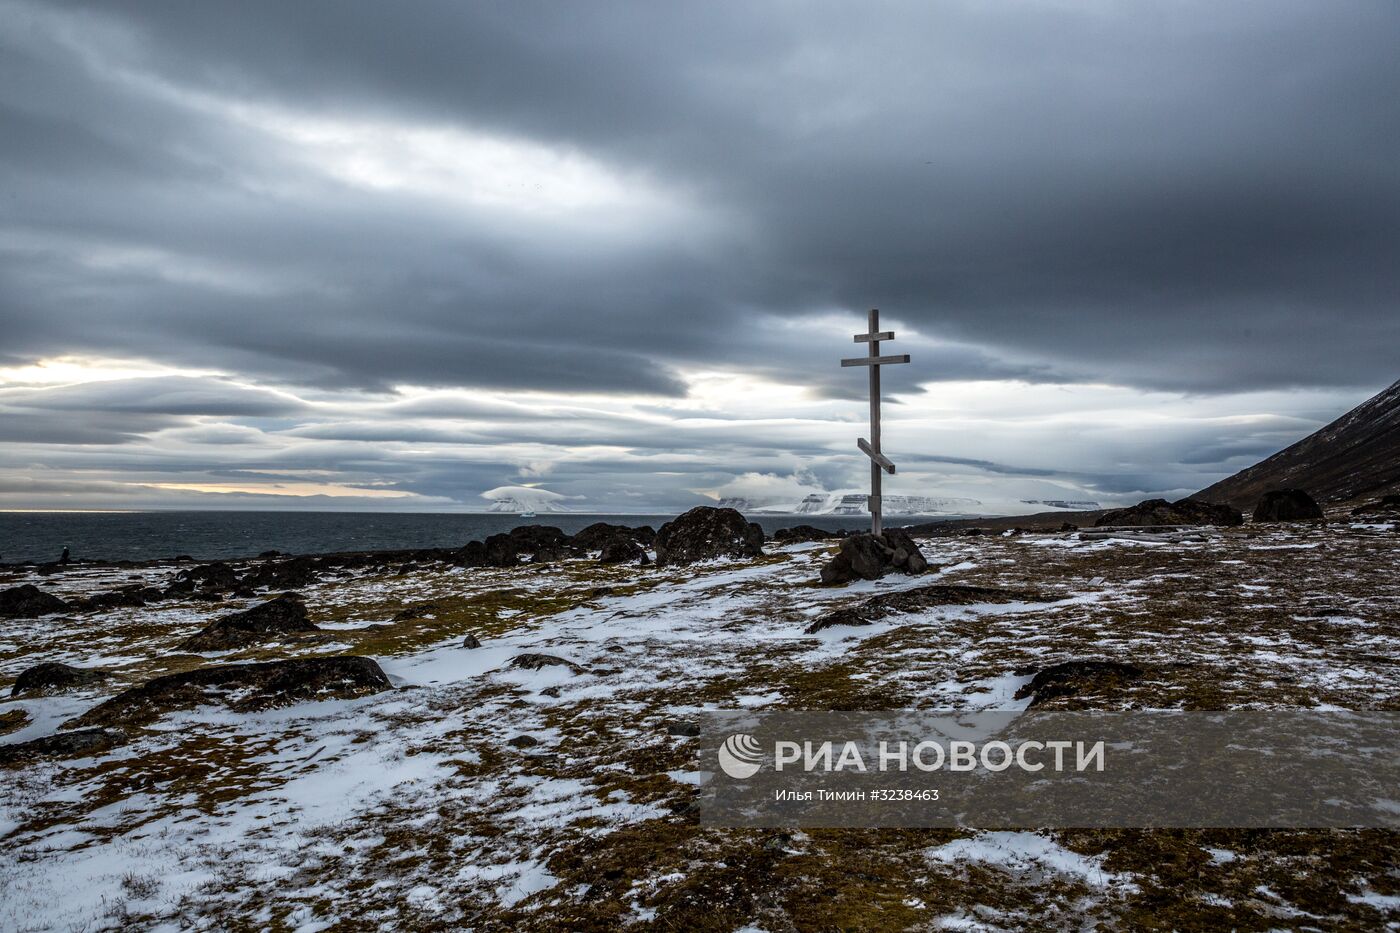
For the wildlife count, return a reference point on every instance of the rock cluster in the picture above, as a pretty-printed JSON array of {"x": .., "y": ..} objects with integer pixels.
[
  {"x": 52, "y": 677},
  {"x": 1181, "y": 512},
  {"x": 61, "y": 745},
  {"x": 868, "y": 557},
  {"x": 278, "y": 617},
  {"x": 241, "y": 688},
  {"x": 706, "y": 533},
  {"x": 1286, "y": 505},
  {"x": 1385, "y": 506},
  {"x": 599, "y": 535},
  {"x": 29, "y": 602}
]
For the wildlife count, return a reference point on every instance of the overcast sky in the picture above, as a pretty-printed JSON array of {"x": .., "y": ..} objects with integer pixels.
[{"x": 397, "y": 256}]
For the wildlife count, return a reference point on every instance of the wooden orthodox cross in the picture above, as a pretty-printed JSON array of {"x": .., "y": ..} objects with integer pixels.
[{"x": 871, "y": 448}]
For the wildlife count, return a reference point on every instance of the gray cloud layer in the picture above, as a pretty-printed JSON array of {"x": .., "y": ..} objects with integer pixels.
[{"x": 1195, "y": 197}]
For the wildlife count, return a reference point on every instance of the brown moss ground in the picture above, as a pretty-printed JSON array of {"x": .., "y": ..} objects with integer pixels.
[{"x": 1226, "y": 626}]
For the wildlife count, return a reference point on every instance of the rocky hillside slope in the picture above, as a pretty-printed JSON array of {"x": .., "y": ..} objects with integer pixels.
[{"x": 1356, "y": 456}]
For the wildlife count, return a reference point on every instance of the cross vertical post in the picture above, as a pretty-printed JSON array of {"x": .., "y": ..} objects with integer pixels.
[
  {"x": 871, "y": 448},
  {"x": 874, "y": 328}
]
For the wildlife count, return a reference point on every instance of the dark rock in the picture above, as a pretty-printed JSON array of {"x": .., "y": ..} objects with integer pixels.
[
  {"x": 1181, "y": 512},
  {"x": 283, "y": 615},
  {"x": 1066, "y": 526},
  {"x": 471, "y": 641},
  {"x": 1075, "y": 678},
  {"x": 925, "y": 597},
  {"x": 539, "y": 543},
  {"x": 52, "y": 677},
  {"x": 622, "y": 551},
  {"x": 127, "y": 597},
  {"x": 1386, "y": 505},
  {"x": 270, "y": 554},
  {"x": 471, "y": 554},
  {"x": 290, "y": 574},
  {"x": 534, "y": 537},
  {"x": 866, "y": 557},
  {"x": 534, "y": 662},
  {"x": 29, "y": 602},
  {"x": 241, "y": 688},
  {"x": 217, "y": 577},
  {"x": 523, "y": 741},
  {"x": 706, "y": 533},
  {"x": 61, "y": 745},
  {"x": 416, "y": 611},
  {"x": 599, "y": 534},
  {"x": 1287, "y": 505},
  {"x": 551, "y": 554},
  {"x": 683, "y": 727},
  {"x": 800, "y": 534}
]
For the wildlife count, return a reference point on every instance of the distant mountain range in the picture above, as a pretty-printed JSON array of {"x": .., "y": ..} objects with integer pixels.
[
  {"x": 1357, "y": 456},
  {"x": 852, "y": 503},
  {"x": 1078, "y": 504}
]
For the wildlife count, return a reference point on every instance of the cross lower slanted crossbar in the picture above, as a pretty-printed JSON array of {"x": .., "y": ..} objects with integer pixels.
[{"x": 875, "y": 455}]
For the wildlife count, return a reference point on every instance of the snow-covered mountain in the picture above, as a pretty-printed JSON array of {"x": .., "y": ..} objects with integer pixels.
[
  {"x": 853, "y": 503},
  {"x": 1077, "y": 504},
  {"x": 524, "y": 499}
]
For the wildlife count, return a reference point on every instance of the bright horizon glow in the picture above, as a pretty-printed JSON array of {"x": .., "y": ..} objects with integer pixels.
[{"x": 733, "y": 434}]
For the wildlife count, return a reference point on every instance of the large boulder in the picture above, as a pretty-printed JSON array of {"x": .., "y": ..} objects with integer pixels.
[
  {"x": 52, "y": 677},
  {"x": 870, "y": 557},
  {"x": 281, "y": 616},
  {"x": 706, "y": 533},
  {"x": 241, "y": 688},
  {"x": 600, "y": 534},
  {"x": 29, "y": 602},
  {"x": 1181, "y": 512},
  {"x": 61, "y": 745},
  {"x": 622, "y": 551},
  {"x": 1286, "y": 505}
]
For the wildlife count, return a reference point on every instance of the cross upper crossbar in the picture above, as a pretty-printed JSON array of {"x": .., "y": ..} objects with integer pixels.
[{"x": 875, "y": 360}]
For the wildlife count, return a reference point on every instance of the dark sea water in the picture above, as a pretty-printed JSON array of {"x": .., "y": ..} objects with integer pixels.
[{"x": 205, "y": 535}]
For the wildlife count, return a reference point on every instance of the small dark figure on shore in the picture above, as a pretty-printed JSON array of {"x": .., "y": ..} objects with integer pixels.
[{"x": 63, "y": 558}]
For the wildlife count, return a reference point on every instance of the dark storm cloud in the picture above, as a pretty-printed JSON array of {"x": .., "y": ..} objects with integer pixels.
[
  {"x": 1195, "y": 196},
  {"x": 555, "y": 202}
]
